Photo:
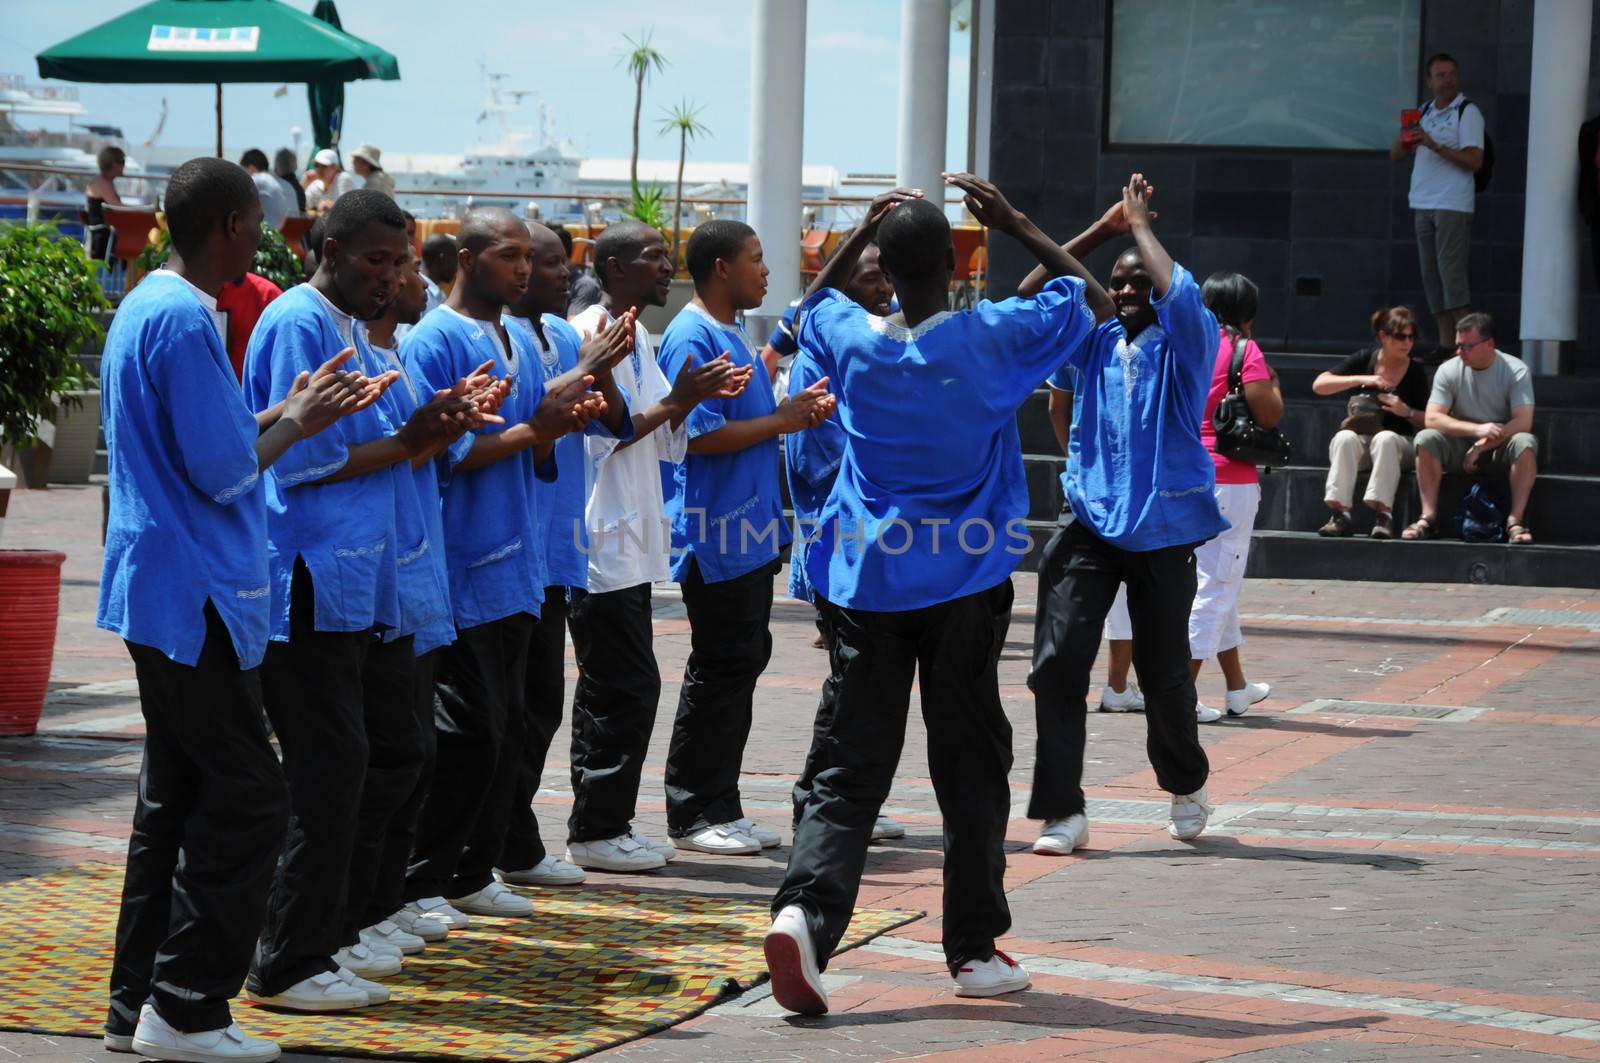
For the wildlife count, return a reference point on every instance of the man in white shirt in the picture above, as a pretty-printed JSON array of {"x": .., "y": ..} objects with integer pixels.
[
  {"x": 332, "y": 181},
  {"x": 1448, "y": 145},
  {"x": 619, "y": 682},
  {"x": 277, "y": 199}
]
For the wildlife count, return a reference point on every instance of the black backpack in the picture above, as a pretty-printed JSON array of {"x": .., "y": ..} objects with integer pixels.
[{"x": 1480, "y": 179}]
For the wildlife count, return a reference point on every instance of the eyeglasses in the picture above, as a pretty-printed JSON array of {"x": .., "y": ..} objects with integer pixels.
[
  {"x": 1469, "y": 346},
  {"x": 1405, "y": 336}
]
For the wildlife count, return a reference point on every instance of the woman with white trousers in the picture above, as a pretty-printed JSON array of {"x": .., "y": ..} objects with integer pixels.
[{"x": 1220, "y": 563}]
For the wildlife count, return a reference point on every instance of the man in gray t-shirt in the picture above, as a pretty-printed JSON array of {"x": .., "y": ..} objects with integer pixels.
[{"x": 1479, "y": 419}]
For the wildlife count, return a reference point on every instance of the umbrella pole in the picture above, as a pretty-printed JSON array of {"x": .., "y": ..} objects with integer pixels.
[{"x": 219, "y": 119}]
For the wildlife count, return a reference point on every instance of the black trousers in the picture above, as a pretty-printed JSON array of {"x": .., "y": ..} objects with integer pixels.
[
  {"x": 730, "y": 644},
  {"x": 1078, "y": 579},
  {"x": 388, "y": 890},
  {"x": 874, "y": 656},
  {"x": 545, "y": 695},
  {"x": 313, "y": 692},
  {"x": 613, "y": 708},
  {"x": 394, "y": 762},
  {"x": 816, "y": 755},
  {"x": 478, "y": 727},
  {"x": 206, "y": 832}
]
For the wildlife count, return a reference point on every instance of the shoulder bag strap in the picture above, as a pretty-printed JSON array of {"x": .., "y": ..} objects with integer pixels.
[{"x": 1236, "y": 367}]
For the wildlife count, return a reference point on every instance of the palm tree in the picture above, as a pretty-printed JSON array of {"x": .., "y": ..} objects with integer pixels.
[
  {"x": 683, "y": 119},
  {"x": 640, "y": 60}
]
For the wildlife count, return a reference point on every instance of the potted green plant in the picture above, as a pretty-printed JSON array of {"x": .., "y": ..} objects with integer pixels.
[{"x": 50, "y": 305}]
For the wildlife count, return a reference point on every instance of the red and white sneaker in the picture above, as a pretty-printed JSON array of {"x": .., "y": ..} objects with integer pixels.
[
  {"x": 792, "y": 960},
  {"x": 992, "y": 977}
]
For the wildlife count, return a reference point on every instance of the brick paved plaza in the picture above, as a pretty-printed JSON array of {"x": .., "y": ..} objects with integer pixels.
[{"x": 1380, "y": 880}]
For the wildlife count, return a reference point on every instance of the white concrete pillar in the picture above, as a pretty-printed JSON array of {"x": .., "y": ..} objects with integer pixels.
[
  {"x": 1556, "y": 99},
  {"x": 924, "y": 94},
  {"x": 777, "y": 122}
]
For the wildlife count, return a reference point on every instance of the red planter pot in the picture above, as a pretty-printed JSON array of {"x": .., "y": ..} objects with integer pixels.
[{"x": 30, "y": 598}]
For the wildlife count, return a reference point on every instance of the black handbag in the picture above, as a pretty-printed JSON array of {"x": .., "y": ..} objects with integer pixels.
[{"x": 1238, "y": 435}]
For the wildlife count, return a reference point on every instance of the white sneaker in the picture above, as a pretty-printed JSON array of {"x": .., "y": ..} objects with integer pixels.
[
  {"x": 1130, "y": 700},
  {"x": 1060, "y": 836},
  {"x": 1204, "y": 713},
  {"x": 388, "y": 934},
  {"x": 367, "y": 961},
  {"x": 425, "y": 927},
  {"x": 884, "y": 829},
  {"x": 155, "y": 1039},
  {"x": 117, "y": 1042},
  {"x": 1189, "y": 815},
  {"x": 321, "y": 992},
  {"x": 724, "y": 838},
  {"x": 551, "y": 871},
  {"x": 769, "y": 838},
  {"x": 381, "y": 948},
  {"x": 1239, "y": 701},
  {"x": 792, "y": 961},
  {"x": 661, "y": 847},
  {"x": 992, "y": 977},
  {"x": 623, "y": 853},
  {"x": 439, "y": 909},
  {"x": 376, "y": 992},
  {"x": 493, "y": 899}
]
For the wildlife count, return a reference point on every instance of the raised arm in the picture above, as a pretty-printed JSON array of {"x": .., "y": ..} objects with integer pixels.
[
  {"x": 1111, "y": 224},
  {"x": 1136, "y": 205},
  {"x": 990, "y": 207},
  {"x": 835, "y": 273}
]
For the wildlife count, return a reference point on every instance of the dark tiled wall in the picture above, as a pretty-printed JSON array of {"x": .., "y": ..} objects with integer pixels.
[{"x": 1280, "y": 216}]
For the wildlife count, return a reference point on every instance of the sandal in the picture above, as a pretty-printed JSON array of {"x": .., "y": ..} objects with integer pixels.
[
  {"x": 1338, "y": 526},
  {"x": 1382, "y": 525},
  {"x": 1420, "y": 529},
  {"x": 1517, "y": 532}
]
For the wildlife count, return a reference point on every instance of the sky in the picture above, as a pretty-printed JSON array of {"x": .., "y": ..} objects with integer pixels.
[{"x": 568, "y": 53}]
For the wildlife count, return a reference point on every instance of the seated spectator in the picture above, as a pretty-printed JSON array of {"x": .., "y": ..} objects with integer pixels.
[
  {"x": 287, "y": 169},
  {"x": 277, "y": 200},
  {"x": 101, "y": 191},
  {"x": 1219, "y": 563},
  {"x": 364, "y": 161},
  {"x": 329, "y": 181},
  {"x": 1377, "y": 431},
  {"x": 1479, "y": 419}
]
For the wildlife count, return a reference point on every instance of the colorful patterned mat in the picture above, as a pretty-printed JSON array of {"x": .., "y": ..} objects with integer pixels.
[{"x": 594, "y": 967}]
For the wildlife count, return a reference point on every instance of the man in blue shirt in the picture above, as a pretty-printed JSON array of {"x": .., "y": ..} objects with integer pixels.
[
  {"x": 185, "y": 584},
  {"x": 524, "y": 860},
  {"x": 727, "y": 531},
  {"x": 496, "y": 563},
  {"x": 430, "y": 624},
  {"x": 811, "y": 461},
  {"x": 1139, "y": 498},
  {"x": 921, "y": 532},
  {"x": 344, "y": 529}
]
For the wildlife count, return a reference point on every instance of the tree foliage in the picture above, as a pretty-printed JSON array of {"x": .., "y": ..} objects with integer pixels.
[
  {"x": 273, "y": 260},
  {"x": 50, "y": 302}
]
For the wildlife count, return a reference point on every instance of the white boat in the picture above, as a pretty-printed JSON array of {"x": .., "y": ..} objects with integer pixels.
[
  {"x": 71, "y": 145},
  {"x": 566, "y": 183}
]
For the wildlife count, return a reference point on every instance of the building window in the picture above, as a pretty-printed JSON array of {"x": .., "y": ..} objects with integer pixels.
[{"x": 1328, "y": 74}]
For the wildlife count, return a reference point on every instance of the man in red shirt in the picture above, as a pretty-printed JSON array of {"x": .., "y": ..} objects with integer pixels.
[{"x": 242, "y": 302}]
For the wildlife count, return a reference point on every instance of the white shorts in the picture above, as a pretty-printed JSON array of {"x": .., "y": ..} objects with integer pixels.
[
  {"x": 1118, "y": 627},
  {"x": 1219, "y": 573}
]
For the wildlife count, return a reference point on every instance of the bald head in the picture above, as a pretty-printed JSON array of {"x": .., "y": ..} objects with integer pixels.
[
  {"x": 545, "y": 241},
  {"x": 486, "y": 226}
]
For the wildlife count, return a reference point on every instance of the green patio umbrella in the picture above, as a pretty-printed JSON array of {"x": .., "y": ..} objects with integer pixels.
[{"x": 216, "y": 42}]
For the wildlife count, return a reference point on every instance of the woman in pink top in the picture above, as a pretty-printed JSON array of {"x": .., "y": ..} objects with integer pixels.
[{"x": 1214, "y": 618}]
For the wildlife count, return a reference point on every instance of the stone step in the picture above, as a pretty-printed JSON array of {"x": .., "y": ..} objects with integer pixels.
[
  {"x": 1305, "y": 555},
  {"x": 1562, "y": 508}
]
